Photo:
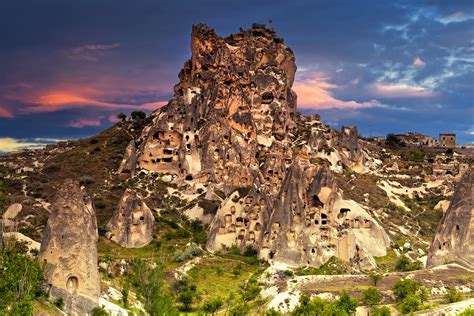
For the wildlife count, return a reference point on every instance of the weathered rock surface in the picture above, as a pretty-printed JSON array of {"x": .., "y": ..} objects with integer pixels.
[
  {"x": 69, "y": 250},
  {"x": 129, "y": 162},
  {"x": 232, "y": 125},
  {"x": 10, "y": 215},
  {"x": 132, "y": 225},
  {"x": 454, "y": 239}
]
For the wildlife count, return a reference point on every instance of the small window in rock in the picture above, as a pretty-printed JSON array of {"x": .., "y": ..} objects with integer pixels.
[
  {"x": 72, "y": 284},
  {"x": 167, "y": 152},
  {"x": 168, "y": 159},
  {"x": 142, "y": 218},
  {"x": 316, "y": 202},
  {"x": 188, "y": 177},
  {"x": 267, "y": 97}
]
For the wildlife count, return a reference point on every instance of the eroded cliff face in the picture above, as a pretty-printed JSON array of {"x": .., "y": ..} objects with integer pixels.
[
  {"x": 69, "y": 250},
  {"x": 454, "y": 239},
  {"x": 132, "y": 225},
  {"x": 232, "y": 126}
]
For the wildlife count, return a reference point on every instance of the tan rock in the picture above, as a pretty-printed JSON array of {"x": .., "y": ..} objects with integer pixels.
[
  {"x": 132, "y": 225},
  {"x": 454, "y": 239},
  {"x": 69, "y": 250},
  {"x": 10, "y": 215}
]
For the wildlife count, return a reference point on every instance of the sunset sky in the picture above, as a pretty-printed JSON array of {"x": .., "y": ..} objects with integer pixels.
[{"x": 68, "y": 67}]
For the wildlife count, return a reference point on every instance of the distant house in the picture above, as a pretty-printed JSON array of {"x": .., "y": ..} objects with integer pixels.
[
  {"x": 416, "y": 139},
  {"x": 447, "y": 140}
]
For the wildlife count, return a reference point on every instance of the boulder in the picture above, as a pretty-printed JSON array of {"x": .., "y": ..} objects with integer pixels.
[
  {"x": 454, "y": 238},
  {"x": 132, "y": 225},
  {"x": 129, "y": 161},
  {"x": 69, "y": 250},
  {"x": 9, "y": 217}
]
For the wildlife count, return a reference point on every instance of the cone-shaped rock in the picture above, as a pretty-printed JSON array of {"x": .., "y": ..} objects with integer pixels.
[
  {"x": 454, "y": 239},
  {"x": 69, "y": 250},
  {"x": 132, "y": 225}
]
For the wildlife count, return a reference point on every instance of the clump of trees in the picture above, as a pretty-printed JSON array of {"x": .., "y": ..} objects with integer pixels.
[
  {"x": 344, "y": 305},
  {"x": 404, "y": 264},
  {"x": 410, "y": 296},
  {"x": 20, "y": 279},
  {"x": 393, "y": 141}
]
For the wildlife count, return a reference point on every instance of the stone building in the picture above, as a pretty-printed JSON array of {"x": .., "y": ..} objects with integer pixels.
[{"x": 447, "y": 140}]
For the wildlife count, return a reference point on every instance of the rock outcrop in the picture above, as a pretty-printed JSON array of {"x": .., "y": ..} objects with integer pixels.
[
  {"x": 454, "y": 239},
  {"x": 10, "y": 216},
  {"x": 232, "y": 126},
  {"x": 69, "y": 250},
  {"x": 129, "y": 161},
  {"x": 132, "y": 225}
]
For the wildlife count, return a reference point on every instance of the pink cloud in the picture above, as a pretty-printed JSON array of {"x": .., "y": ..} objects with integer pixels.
[
  {"x": 400, "y": 91},
  {"x": 90, "y": 52},
  {"x": 5, "y": 113},
  {"x": 418, "y": 62},
  {"x": 84, "y": 123},
  {"x": 314, "y": 92},
  {"x": 58, "y": 101}
]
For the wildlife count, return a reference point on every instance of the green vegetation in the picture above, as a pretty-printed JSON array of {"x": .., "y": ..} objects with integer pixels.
[
  {"x": 380, "y": 311},
  {"x": 371, "y": 296},
  {"x": 467, "y": 312},
  {"x": 453, "y": 296},
  {"x": 122, "y": 116},
  {"x": 191, "y": 251},
  {"x": 404, "y": 264},
  {"x": 345, "y": 305},
  {"x": 212, "y": 305},
  {"x": 332, "y": 267},
  {"x": 375, "y": 277},
  {"x": 138, "y": 115},
  {"x": 16, "y": 268},
  {"x": 99, "y": 311},
  {"x": 393, "y": 141},
  {"x": 409, "y": 295}
]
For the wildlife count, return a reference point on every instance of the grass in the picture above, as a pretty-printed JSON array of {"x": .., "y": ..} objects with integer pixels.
[
  {"x": 388, "y": 260},
  {"x": 41, "y": 307},
  {"x": 218, "y": 277}
]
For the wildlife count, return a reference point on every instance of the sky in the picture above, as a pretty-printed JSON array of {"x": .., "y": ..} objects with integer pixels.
[{"x": 68, "y": 67}]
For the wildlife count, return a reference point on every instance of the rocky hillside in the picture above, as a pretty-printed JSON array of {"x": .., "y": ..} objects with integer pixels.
[{"x": 229, "y": 173}]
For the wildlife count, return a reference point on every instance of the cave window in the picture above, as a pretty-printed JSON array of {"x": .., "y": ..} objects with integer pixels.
[
  {"x": 187, "y": 137},
  {"x": 167, "y": 151},
  {"x": 168, "y": 159},
  {"x": 316, "y": 202},
  {"x": 72, "y": 284},
  {"x": 188, "y": 146},
  {"x": 189, "y": 177},
  {"x": 267, "y": 97},
  {"x": 142, "y": 218}
]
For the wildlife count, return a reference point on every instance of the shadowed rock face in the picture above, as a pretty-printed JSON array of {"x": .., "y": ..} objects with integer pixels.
[
  {"x": 454, "y": 239},
  {"x": 132, "y": 225},
  {"x": 129, "y": 162},
  {"x": 232, "y": 124},
  {"x": 69, "y": 250}
]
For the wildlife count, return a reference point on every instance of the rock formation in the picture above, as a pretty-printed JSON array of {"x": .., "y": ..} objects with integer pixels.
[
  {"x": 132, "y": 225},
  {"x": 129, "y": 162},
  {"x": 69, "y": 250},
  {"x": 454, "y": 239},
  {"x": 232, "y": 126},
  {"x": 10, "y": 216}
]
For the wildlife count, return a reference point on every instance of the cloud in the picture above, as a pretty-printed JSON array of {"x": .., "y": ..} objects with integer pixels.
[
  {"x": 457, "y": 16},
  {"x": 11, "y": 144},
  {"x": 314, "y": 93},
  {"x": 80, "y": 123},
  {"x": 418, "y": 62},
  {"x": 90, "y": 52},
  {"x": 5, "y": 113},
  {"x": 58, "y": 101},
  {"x": 400, "y": 91}
]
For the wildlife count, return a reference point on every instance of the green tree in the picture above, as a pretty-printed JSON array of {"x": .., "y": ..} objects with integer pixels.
[
  {"x": 125, "y": 293},
  {"x": 410, "y": 304},
  {"x": 239, "y": 309},
  {"x": 122, "y": 116},
  {"x": 371, "y": 296},
  {"x": 186, "y": 294},
  {"x": 403, "y": 264},
  {"x": 375, "y": 277},
  {"x": 393, "y": 141},
  {"x": 453, "y": 296},
  {"x": 149, "y": 284},
  {"x": 212, "y": 306},
  {"x": 249, "y": 290},
  {"x": 404, "y": 288},
  {"x": 138, "y": 115},
  {"x": 20, "y": 279},
  {"x": 380, "y": 311},
  {"x": 346, "y": 303},
  {"x": 467, "y": 312}
]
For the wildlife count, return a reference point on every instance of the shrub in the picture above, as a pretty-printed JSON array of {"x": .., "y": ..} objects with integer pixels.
[
  {"x": 100, "y": 204},
  {"x": 380, "y": 311},
  {"x": 94, "y": 141},
  {"x": 176, "y": 234},
  {"x": 102, "y": 230},
  {"x": 212, "y": 306},
  {"x": 249, "y": 290},
  {"x": 99, "y": 311},
  {"x": 403, "y": 288},
  {"x": 375, "y": 277},
  {"x": 453, "y": 296},
  {"x": 122, "y": 116},
  {"x": 467, "y": 312},
  {"x": 410, "y": 304},
  {"x": 404, "y": 264},
  {"x": 272, "y": 312},
  {"x": 191, "y": 251},
  {"x": 86, "y": 181},
  {"x": 59, "y": 303},
  {"x": 371, "y": 296},
  {"x": 138, "y": 115}
]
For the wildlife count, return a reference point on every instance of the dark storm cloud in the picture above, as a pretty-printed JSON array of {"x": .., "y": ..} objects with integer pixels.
[{"x": 387, "y": 66}]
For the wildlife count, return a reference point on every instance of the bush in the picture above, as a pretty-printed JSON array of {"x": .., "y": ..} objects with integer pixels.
[
  {"x": 102, "y": 230},
  {"x": 410, "y": 304},
  {"x": 403, "y": 288},
  {"x": 380, "y": 311},
  {"x": 86, "y": 181},
  {"x": 191, "y": 251},
  {"x": 453, "y": 296},
  {"x": 100, "y": 204},
  {"x": 176, "y": 234},
  {"x": 375, "y": 277},
  {"x": 345, "y": 305},
  {"x": 99, "y": 311},
  {"x": 59, "y": 303},
  {"x": 212, "y": 306},
  {"x": 467, "y": 312},
  {"x": 186, "y": 294},
  {"x": 138, "y": 115},
  {"x": 393, "y": 141},
  {"x": 94, "y": 141},
  {"x": 409, "y": 295},
  {"x": 371, "y": 296},
  {"x": 249, "y": 290},
  {"x": 404, "y": 264}
]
